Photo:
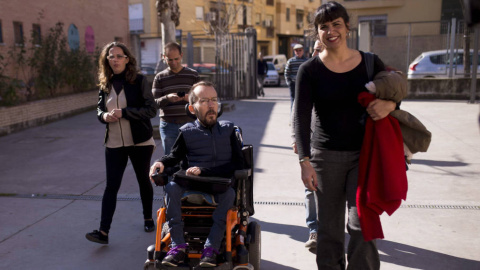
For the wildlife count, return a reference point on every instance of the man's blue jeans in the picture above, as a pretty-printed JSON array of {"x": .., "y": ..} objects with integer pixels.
[
  {"x": 169, "y": 133},
  {"x": 173, "y": 195},
  {"x": 311, "y": 210},
  {"x": 291, "y": 86}
]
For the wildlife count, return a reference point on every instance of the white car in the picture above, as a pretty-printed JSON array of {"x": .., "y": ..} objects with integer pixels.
[
  {"x": 278, "y": 60},
  {"x": 435, "y": 64},
  {"x": 272, "y": 77}
]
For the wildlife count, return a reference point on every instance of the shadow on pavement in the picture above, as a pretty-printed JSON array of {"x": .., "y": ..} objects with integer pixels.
[
  {"x": 439, "y": 163},
  {"x": 419, "y": 258},
  {"x": 295, "y": 232},
  {"x": 271, "y": 265}
]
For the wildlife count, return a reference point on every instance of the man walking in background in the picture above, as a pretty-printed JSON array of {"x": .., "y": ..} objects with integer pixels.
[
  {"x": 291, "y": 70},
  {"x": 170, "y": 88}
]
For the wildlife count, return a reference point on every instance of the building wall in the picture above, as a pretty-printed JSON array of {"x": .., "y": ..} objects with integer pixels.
[{"x": 108, "y": 19}]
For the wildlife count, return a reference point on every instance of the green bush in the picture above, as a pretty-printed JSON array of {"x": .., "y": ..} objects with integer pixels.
[{"x": 41, "y": 70}]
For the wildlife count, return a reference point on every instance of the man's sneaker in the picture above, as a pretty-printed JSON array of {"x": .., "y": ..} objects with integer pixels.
[
  {"x": 175, "y": 255},
  {"x": 209, "y": 257},
  {"x": 97, "y": 237},
  {"x": 311, "y": 244}
]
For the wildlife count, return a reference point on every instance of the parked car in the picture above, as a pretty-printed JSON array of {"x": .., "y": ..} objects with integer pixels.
[
  {"x": 272, "y": 77},
  {"x": 149, "y": 72},
  {"x": 278, "y": 60},
  {"x": 435, "y": 64}
]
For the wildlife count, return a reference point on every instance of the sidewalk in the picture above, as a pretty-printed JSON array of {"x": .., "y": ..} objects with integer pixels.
[{"x": 52, "y": 178}]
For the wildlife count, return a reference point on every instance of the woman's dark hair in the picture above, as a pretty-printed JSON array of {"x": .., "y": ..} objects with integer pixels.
[
  {"x": 326, "y": 13},
  {"x": 105, "y": 72}
]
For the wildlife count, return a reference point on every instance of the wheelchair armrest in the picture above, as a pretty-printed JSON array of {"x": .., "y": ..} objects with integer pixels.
[{"x": 242, "y": 174}]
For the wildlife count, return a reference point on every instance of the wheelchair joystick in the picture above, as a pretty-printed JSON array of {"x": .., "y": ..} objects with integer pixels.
[{"x": 160, "y": 179}]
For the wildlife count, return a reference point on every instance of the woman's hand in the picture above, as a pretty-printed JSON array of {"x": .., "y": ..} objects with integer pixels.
[
  {"x": 193, "y": 171},
  {"x": 309, "y": 176},
  {"x": 379, "y": 108},
  {"x": 109, "y": 117}
]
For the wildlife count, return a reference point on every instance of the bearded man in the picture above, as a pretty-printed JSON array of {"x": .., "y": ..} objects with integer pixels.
[{"x": 207, "y": 147}]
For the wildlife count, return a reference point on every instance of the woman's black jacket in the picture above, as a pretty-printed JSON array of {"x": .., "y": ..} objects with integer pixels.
[{"x": 141, "y": 107}]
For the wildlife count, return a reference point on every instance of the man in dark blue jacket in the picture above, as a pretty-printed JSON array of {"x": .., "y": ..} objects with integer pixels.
[{"x": 211, "y": 149}]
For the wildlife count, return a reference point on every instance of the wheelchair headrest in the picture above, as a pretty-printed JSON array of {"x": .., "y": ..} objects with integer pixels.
[{"x": 193, "y": 116}]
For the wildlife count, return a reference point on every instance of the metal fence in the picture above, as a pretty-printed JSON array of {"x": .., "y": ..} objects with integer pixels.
[
  {"x": 236, "y": 65},
  {"x": 405, "y": 41}
]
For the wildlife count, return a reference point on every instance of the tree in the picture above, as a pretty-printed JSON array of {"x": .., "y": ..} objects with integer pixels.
[{"x": 169, "y": 16}]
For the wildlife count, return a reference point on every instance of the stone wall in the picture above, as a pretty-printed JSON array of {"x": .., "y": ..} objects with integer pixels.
[
  {"x": 39, "y": 112},
  {"x": 441, "y": 89}
]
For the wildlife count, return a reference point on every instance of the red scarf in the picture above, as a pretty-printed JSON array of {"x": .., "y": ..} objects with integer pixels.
[{"x": 382, "y": 178}]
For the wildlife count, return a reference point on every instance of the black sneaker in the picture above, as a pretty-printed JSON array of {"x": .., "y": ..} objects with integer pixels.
[
  {"x": 97, "y": 237},
  {"x": 175, "y": 256},
  {"x": 209, "y": 257},
  {"x": 149, "y": 225}
]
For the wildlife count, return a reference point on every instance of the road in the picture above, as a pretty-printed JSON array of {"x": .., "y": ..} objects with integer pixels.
[{"x": 52, "y": 178}]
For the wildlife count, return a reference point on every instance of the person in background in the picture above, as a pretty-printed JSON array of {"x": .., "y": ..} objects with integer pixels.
[
  {"x": 317, "y": 48},
  {"x": 291, "y": 69},
  {"x": 329, "y": 159},
  {"x": 261, "y": 72},
  {"x": 125, "y": 105},
  {"x": 211, "y": 148},
  {"x": 310, "y": 204},
  {"x": 170, "y": 89}
]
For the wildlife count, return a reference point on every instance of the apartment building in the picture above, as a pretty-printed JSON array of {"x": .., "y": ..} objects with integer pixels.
[{"x": 280, "y": 24}]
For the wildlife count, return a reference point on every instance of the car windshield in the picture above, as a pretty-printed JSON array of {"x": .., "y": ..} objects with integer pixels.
[
  {"x": 270, "y": 66},
  {"x": 268, "y": 59}
]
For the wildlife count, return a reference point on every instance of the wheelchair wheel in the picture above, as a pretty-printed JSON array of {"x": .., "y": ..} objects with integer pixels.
[{"x": 255, "y": 244}]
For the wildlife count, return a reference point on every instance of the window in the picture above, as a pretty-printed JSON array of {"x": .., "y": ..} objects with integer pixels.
[
  {"x": 270, "y": 2},
  {"x": 36, "y": 34},
  {"x": 1, "y": 34},
  {"x": 378, "y": 24},
  {"x": 18, "y": 33},
  {"x": 287, "y": 14},
  {"x": 257, "y": 18},
  {"x": 199, "y": 13},
  {"x": 299, "y": 16}
]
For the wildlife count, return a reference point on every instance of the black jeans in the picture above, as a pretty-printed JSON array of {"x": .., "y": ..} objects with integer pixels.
[{"x": 116, "y": 161}]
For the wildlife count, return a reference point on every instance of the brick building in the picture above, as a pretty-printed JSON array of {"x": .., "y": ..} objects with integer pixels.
[{"x": 87, "y": 23}]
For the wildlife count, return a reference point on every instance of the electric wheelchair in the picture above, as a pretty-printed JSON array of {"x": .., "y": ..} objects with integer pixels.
[{"x": 241, "y": 245}]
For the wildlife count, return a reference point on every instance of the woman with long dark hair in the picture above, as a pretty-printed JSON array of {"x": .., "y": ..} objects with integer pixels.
[{"x": 125, "y": 105}]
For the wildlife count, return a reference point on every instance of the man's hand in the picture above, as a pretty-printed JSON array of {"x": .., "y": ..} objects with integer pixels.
[
  {"x": 173, "y": 97},
  {"x": 154, "y": 167},
  {"x": 193, "y": 171},
  {"x": 309, "y": 177},
  {"x": 379, "y": 108}
]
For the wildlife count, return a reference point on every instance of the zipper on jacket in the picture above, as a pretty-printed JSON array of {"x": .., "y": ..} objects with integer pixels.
[
  {"x": 119, "y": 120},
  {"x": 214, "y": 149}
]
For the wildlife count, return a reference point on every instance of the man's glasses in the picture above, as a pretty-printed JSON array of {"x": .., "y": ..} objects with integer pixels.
[
  {"x": 206, "y": 101},
  {"x": 118, "y": 56}
]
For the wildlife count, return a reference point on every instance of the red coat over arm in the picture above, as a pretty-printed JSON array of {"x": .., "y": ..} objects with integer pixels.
[{"x": 382, "y": 177}]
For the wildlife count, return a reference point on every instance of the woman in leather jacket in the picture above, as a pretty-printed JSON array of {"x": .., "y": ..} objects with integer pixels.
[{"x": 125, "y": 105}]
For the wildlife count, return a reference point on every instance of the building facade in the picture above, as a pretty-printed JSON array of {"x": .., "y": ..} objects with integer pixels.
[{"x": 88, "y": 24}]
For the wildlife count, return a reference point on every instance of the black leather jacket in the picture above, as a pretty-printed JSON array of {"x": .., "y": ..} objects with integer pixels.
[{"x": 140, "y": 108}]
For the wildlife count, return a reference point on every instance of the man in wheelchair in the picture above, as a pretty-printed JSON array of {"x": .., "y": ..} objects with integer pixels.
[{"x": 206, "y": 147}]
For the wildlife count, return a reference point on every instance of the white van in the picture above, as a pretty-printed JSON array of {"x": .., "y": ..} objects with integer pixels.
[{"x": 278, "y": 60}]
